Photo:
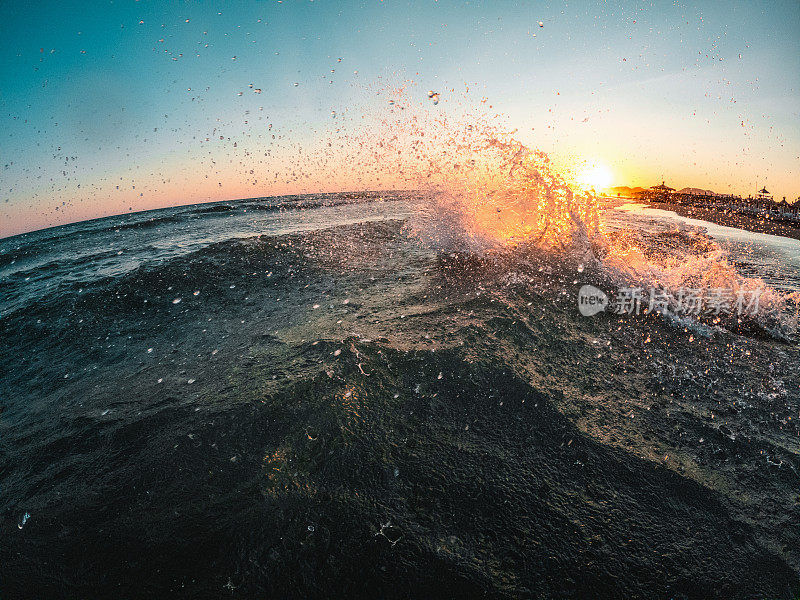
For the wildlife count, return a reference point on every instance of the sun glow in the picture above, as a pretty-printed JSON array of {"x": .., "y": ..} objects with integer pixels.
[{"x": 596, "y": 175}]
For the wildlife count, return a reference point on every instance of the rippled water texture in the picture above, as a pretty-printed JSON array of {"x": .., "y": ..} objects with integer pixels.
[{"x": 322, "y": 396}]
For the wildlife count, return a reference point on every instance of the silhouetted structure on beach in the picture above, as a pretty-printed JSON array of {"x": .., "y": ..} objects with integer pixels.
[
  {"x": 762, "y": 206},
  {"x": 657, "y": 193},
  {"x": 662, "y": 188}
]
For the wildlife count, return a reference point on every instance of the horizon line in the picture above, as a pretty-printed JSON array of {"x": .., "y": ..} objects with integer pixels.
[{"x": 202, "y": 202}]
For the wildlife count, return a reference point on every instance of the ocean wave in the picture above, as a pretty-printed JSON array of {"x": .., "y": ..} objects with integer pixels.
[
  {"x": 213, "y": 269},
  {"x": 388, "y": 398}
]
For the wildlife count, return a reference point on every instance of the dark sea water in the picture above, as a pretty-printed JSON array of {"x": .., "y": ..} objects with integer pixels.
[{"x": 303, "y": 398}]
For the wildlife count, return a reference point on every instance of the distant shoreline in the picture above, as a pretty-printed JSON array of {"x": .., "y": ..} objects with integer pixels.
[{"x": 730, "y": 219}]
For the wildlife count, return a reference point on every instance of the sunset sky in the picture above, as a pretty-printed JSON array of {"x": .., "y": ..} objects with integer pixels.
[{"x": 109, "y": 107}]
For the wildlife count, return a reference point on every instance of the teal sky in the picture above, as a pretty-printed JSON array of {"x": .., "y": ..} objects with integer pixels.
[{"x": 106, "y": 106}]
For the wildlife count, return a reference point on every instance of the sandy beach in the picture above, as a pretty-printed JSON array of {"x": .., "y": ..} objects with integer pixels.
[{"x": 731, "y": 219}]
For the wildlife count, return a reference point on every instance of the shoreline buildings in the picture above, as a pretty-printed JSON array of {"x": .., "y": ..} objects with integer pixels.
[{"x": 762, "y": 205}]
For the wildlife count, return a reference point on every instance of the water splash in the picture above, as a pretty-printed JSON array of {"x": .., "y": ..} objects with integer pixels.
[
  {"x": 688, "y": 259},
  {"x": 484, "y": 191},
  {"x": 483, "y": 188}
]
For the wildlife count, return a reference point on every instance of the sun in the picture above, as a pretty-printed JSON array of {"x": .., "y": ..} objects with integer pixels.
[{"x": 595, "y": 175}]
